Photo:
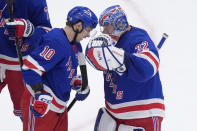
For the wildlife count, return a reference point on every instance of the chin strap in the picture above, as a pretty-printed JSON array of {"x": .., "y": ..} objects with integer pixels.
[{"x": 76, "y": 33}]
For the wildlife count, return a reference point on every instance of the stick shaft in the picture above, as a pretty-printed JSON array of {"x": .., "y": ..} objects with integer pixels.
[{"x": 164, "y": 37}]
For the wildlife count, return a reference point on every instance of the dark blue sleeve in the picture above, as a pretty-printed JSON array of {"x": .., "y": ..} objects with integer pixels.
[
  {"x": 42, "y": 60},
  {"x": 31, "y": 77},
  {"x": 38, "y": 12},
  {"x": 143, "y": 61},
  {"x": 30, "y": 43}
]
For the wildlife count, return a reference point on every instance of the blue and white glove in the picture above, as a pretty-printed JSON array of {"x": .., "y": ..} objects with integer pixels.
[
  {"x": 19, "y": 28},
  {"x": 103, "y": 55},
  {"x": 77, "y": 85},
  {"x": 82, "y": 94},
  {"x": 41, "y": 104}
]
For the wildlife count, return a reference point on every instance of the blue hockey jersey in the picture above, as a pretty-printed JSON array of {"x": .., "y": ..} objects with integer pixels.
[
  {"x": 36, "y": 12},
  {"x": 54, "y": 63},
  {"x": 137, "y": 93}
]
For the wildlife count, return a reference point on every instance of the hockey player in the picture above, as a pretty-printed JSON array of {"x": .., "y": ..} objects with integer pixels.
[
  {"x": 133, "y": 92},
  {"x": 30, "y": 21},
  {"x": 50, "y": 71}
]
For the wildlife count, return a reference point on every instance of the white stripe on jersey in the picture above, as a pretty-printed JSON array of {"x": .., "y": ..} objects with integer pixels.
[
  {"x": 137, "y": 109},
  {"x": 30, "y": 63}
]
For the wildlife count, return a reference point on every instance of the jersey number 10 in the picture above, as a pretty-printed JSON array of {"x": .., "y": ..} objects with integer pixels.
[{"x": 47, "y": 53}]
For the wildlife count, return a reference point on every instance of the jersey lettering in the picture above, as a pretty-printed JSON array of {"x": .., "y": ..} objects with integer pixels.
[
  {"x": 24, "y": 47},
  {"x": 111, "y": 82},
  {"x": 69, "y": 67},
  {"x": 47, "y": 53},
  {"x": 108, "y": 77},
  {"x": 114, "y": 88},
  {"x": 69, "y": 60},
  {"x": 141, "y": 47},
  {"x": 2, "y": 22},
  {"x": 69, "y": 64},
  {"x": 119, "y": 95},
  {"x": 71, "y": 73},
  {"x": 44, "y": 51},
  {"x": 145, "y": 45}
]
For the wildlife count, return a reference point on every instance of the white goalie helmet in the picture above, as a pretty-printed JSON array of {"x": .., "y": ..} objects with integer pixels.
[{"x": 102, "y": 55}]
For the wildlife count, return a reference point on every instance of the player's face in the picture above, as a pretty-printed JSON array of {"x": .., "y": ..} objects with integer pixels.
[
  {"x": 85, "y": 33},
  {"x": 108, "y": 29}
]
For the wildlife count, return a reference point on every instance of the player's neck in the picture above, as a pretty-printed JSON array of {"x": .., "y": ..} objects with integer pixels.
[{"x": 69, "y": 33}]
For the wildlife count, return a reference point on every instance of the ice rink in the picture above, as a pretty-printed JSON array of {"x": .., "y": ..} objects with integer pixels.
[{"x": 178, "y": 67}]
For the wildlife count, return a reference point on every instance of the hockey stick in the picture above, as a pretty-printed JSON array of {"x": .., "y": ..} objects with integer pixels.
[
  {"x": 10, "y": 10},
  {"x": 164, "y": 37},
  {"x": 83, "y": 69}
]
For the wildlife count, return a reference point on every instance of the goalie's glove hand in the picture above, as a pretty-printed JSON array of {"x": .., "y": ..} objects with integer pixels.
[
  {"x": 41, "y": 104},
  {"x": 19, "y": 28},
  {"x": 82, "y": 94},
  {"x": 77, "y": 83},
  {"x": 102, "y": 55}
]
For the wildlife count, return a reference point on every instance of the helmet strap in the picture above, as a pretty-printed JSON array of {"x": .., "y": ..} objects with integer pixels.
[{"x": 76, "y": 31}]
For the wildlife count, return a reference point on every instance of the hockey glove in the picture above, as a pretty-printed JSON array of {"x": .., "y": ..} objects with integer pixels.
[
  {"x": 102, "y": 55},
  {"x": 41, "y": 104},
  {"x": 82, "y": 94},
  {"x": 77, "y": 82},
  {"x": 19, "y": 28}
]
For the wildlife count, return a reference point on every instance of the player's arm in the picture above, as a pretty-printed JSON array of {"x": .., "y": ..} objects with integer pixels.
[
  {"x": 139, "y": 63},
  {"x": 32, "y": 42},
  {"x": 41, "y": 60},
  {"x": 143, "y": 63},
  {"x": 37, "y": 22},
  {"x": 39, "y": 13}
]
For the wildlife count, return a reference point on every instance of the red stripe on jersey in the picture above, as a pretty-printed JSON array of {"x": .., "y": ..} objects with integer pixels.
[
  {"x": 3, "y": 61},
  {"x": 92, "y": 58},
  {"x": 29, "y": 64},
  {"x": 136, "y": 107},
  {"x": 74, "y": 48},
  {"x": 56, "y": 104},
  {"x": 152, "y": 58}
]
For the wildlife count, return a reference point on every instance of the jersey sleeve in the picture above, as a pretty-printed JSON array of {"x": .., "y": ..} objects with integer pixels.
[
  {"x": 30, "y": 43},
  {"x": 143, "y": 61},
  {"x": 39, "y": 13},
  {"x": 41, "y": 60}
]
